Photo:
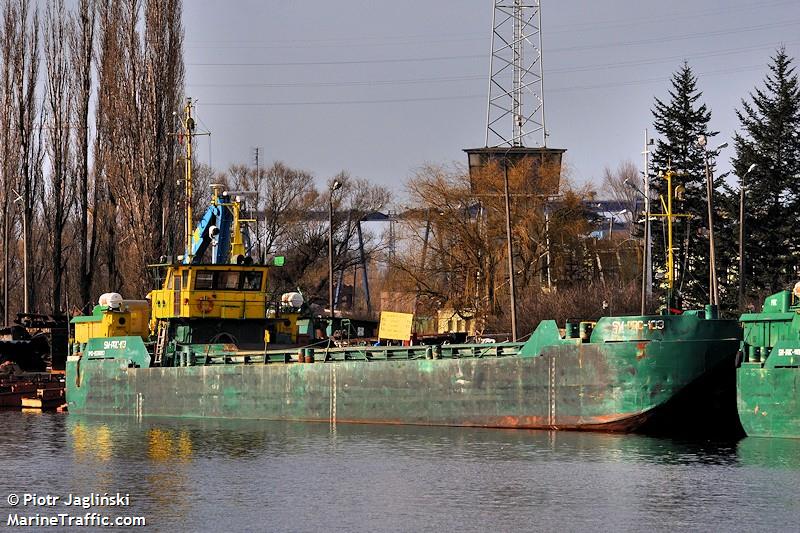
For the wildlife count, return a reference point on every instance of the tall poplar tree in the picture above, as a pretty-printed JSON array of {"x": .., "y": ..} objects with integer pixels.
[
  {"x": 770, "y": 139},
  {"x": 678, "y": 122}
]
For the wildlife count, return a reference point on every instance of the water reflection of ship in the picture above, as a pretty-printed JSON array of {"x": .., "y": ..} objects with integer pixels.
[
  {"x": 769, "y": 452},
  {"x": 102, "y": 439},
  {"x": 172, "y": 456},
  {"x": 167, "y": 448},
  {"x": 181, "y": 440},
  {"x": 90, "y": 442}
]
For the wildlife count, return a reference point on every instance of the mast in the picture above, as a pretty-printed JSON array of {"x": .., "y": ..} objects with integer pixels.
[
  {"x": 187, "y": 132},
  {"x": 670, "y": 252},
  {"x": 669, "y": 215},
  {"x": 188, "y": 129}
]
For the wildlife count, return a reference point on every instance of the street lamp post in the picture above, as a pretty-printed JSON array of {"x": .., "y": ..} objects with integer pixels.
[
  {"x": 647, "y": 256},
  {"x": 510, "y": 251},
  {"x": 702, "y": 141},
  {"x": 335, "y": 186},
  {"x": 611, "y": 220},
  {"x": 646, "y": 270},
  {"x": 547, "y": 241},
  {"x": 741, "y": 235}
]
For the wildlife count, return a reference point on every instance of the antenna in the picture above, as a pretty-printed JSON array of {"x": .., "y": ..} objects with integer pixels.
[
  {"x": 516, "y": 75},
  {"x": 647, "y": 256}
]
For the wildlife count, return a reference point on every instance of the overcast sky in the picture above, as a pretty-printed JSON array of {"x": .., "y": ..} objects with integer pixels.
[{"x": 379, "y": 88}]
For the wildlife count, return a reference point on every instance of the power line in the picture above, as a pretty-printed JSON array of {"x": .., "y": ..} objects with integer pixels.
[
  {"x": 411, "y": 81},
  {"x": 628, "y": 83},
  {"x": 562, "y": 70},
  {"x": 659, "y": 20},
  {"x": 653, "y": 40},
  {"x": 655, "y": 61},
  {"x": 340, "y": 62},
  {"x": 647, "y": 81},
  {"x": 682, "y": 37},
  {"x": 383, "y": 40},
  {"x": 327, "y": 44},
  {"x": 343, "y": 102}
]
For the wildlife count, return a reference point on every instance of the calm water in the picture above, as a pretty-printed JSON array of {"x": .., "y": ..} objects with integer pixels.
[{"x": 197, "y": 475}]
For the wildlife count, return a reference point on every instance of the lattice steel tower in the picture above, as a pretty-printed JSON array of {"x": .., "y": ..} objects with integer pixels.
[{"x": 516, "y": 88}]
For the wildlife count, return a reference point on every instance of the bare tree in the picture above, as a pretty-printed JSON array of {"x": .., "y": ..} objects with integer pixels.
[
  {"x": 306, "y": 240},
  {"x": 357, "y": 199},
  {"x": 110, "y": 64},
  {"x": 81, "y": 43},
  {"x": 124, "y": 193},
  {"x": 25, "y": 67},
  {"x": 455, "y": 255},
  {"x": 161, "y": 94},
  {"x": 444, "y": 269},
  {"x": 280, "y": 193},
  {"x": 617, "y": 186},
  {"x": 59, "y": 102},
  {"x": 8, "y": 134},
  {"x": 141, "y": 80}
]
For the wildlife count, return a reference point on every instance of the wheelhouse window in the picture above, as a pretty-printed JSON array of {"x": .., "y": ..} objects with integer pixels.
[
  {"x": 227, "y": 281},
  {"x": 251, "y": 281},
  {"x": 204, "y": 280}
]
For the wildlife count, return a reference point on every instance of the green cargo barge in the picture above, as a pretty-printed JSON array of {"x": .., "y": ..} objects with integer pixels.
[
  {"x": 634, "y": 374},
  {"x": 203, "y": 345},
  {"x": 768, "y": 377}
]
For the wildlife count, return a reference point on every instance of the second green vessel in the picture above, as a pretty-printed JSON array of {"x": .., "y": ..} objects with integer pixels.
[{"x": 768, "y": 377}]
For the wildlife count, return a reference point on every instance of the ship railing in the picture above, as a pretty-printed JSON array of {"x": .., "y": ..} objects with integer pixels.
[{"x": 353, "y": 353}]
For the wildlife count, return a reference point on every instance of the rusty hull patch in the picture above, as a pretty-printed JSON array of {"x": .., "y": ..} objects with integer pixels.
[{"x": 641, "y": 350}]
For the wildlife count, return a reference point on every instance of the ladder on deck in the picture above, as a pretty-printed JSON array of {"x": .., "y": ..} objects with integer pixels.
[{"x": 161, "y": 341}]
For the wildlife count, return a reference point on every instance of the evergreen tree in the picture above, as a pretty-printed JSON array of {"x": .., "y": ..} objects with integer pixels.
[
  {"x": 770, "y": 138},
  {"x": 679, "y": 122}
]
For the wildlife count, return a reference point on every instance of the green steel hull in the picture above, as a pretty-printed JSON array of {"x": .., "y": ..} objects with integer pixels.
[
  {"x": 769, "y": 400},
  {"x": 768, "y": 377},
  {"x": 652, "y": 385}
]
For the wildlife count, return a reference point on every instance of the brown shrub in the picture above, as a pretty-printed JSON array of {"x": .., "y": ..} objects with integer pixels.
[{"x": 572, "y": 303}]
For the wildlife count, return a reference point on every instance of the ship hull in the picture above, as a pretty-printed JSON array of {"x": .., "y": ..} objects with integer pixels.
[
  {"x": 659, "y": 387},
  {"x": 769, "y": 400}
]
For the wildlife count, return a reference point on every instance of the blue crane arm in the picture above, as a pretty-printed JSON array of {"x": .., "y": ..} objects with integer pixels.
[
  {"x": 222, "y": 253},
  {"x": 220, "y": 216}
]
